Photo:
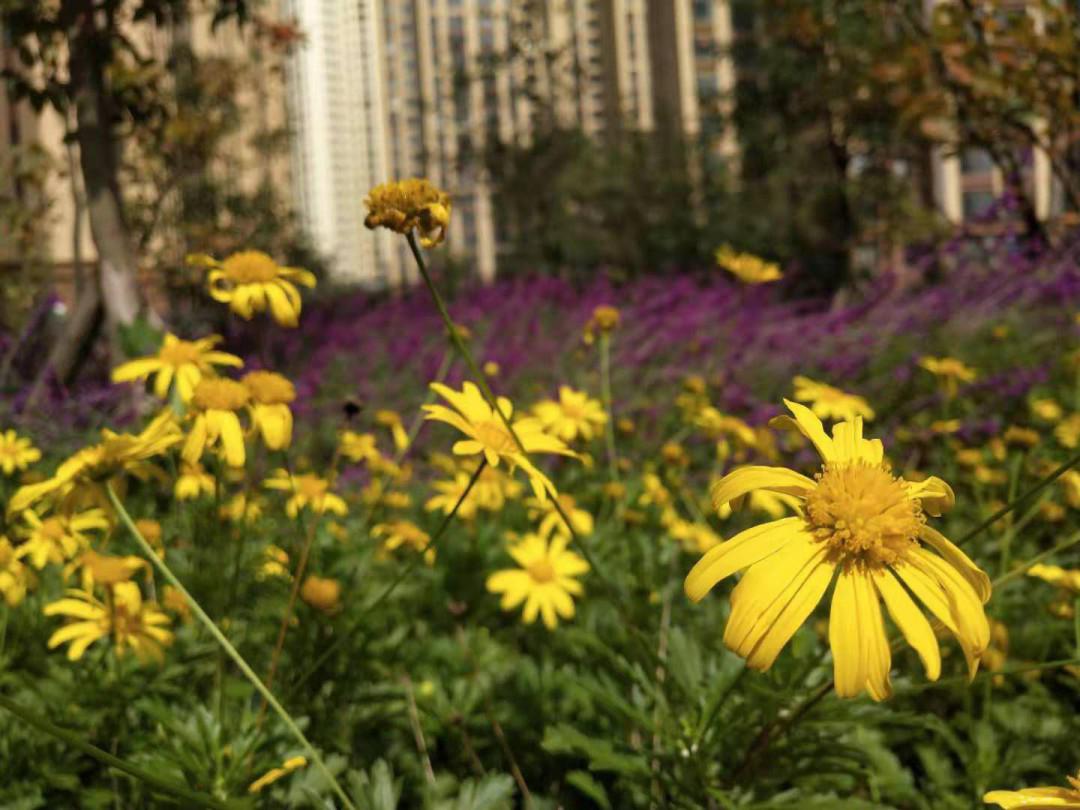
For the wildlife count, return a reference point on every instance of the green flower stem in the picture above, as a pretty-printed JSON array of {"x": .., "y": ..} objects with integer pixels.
[
  {"x": 605, "y": 392},
  {"x": 238, "y": 659},
  {"x": 489, "y": 396},
  {"x": 1021, "y": 569},
  {"x": 105, "y": 758},
  {"x": 1011, "y": 506},
  {"x": 401, "y": 577}
]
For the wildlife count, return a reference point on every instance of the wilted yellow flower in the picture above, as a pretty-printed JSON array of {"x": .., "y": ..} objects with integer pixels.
[
  {"x": 828, "y": 402},
  {"x": 214, "y": 407},
  {"x": 391, "y": 419},
  {"x": 575, "y": 414},
  {"x": 322, "y": 593},
  {"x": 58, "y": 538},
  {"x": 306, "y": 491},
  {"x": 15, "y": 578},
  {"x": 860, "y": 522},
  {"x": 397, "y": 533},
  {"x": 604, "y": 320},
  {"x": 747, "y": 267},
  {"x": 487, "y": 433},
  {"x": 16, "y": 453},
  {"x": 1038, "y": 798},
  {"x": 949, "y": 371},
  {"x": 545, "y": 582},
  {"x": 274, "y": 774},
  {"x": 192, "y": 482},
  {"x": 1046, "y": 409},
  {"x": 82, "y": 475},
  {"x": 130, "y": 622},
  {"x": 405, "y": 205},
  {"x": 271, "y": 395},
  {"x": 1067, "y": 431},
  {"x": 183, "y": 362},
  {"x": 551, "y": 522},
  {"x": 250, "y": 281}
]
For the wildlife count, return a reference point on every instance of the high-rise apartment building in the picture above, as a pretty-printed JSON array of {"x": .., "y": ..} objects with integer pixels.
[{"x": 385, "y": 89}]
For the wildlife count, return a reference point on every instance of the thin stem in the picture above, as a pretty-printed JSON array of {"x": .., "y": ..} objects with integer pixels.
[
  {"x": 418, "y": 732},
  {"x": 1009, "y": 507},
  {"x": 605, "y": 393},
  {"x": 1021, "y": 569},
  {"x": 230, "y": 650},
  {"x": 401, "y": 577},
  {"x": 105, "y": 758},
  {"x": 489, "y": 396}
]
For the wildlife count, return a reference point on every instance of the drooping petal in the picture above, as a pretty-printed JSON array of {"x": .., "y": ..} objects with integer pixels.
[
  {"x": 845, "y": 639},
  {"x": 741, "y": 551},
  {"x": 911, "y": 621},
  {"x": 762, "y": 586},
  {"x": 975, "y": 576},
  {"x": 810, "y": 427},
  {"x": 747, "y": 479}
]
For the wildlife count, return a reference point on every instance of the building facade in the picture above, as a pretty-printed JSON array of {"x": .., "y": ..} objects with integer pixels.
[{"x": 387, "y": 89}]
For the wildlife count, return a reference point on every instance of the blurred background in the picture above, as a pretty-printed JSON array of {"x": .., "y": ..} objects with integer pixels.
[{"x": 577, "y": 138}]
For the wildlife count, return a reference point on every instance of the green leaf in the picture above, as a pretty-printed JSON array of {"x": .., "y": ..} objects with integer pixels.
[{"x": 584, "y": 781}]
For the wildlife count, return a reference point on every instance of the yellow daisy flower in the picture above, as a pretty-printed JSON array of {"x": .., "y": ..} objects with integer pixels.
[
  {"x": 828, "y": 402},
  {"x": 398, "y": 533},
  {"x": 694, "y": 537},
  {"x": 271, "y": 394},
  {"x": 747, "y": 267},
  {"x": 214, "y": 407},
  {"x": 545, "y": 582},
  {"x": 1038, "y": 798},
  {"x": 179, "y": 362},
  {"x": 949, "y": 371},
  {"x": 487, "y": 433},
  {"x": 59, "y": 538},
  {"x": 1067, "y": 431},
  {"x": 863, "y": 525},
  {"x": 81, "y": 475},
  {"x": 359, "y": 447},
  {"x": 16, "y": 453},
  {"x": 15, "y": 578},
  {"x": 130, "y": 622},
  {"x": 405, "y": 205},
  {"x": 604, "y": 320},
  {"x": 490, "y": 492},
  {"x": 250, "y": 281},
  {"x": 241, "y": 508},
  {"x": 193, "y": 482},
  {"x": 107, "y": 570},
  {"x": 321, "y": 593},
  {"x": 306, "y": 491},
  {"x": 574, "y": 415},
  {"x": 1047, "y": 409}
]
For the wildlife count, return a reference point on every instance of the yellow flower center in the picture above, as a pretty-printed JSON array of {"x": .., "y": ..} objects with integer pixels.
[
  {"x": 495, "y": 435},
  {"x": 268, "y": 388},
  {"x": 573, "y": 412},
  {"x": 52, "y": 529},
  {"x": 861, "y": 510},
  {"x": 183, "y": 352},
  {"x": 542, "y": 570},
  {"x": 250, "y": 267},
  {"x": 220, "y": 394}
]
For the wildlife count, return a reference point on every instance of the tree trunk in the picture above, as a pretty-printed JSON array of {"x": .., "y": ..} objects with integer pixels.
[
  {"x": 99, "y": 154},
  {"x": 108, "y": 294}
]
